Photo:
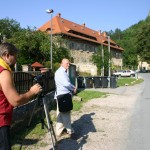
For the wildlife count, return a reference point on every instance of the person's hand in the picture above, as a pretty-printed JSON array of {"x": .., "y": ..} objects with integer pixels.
[
  {"x": 35, "y": 89},
  {"x": 75, "y": 90}
]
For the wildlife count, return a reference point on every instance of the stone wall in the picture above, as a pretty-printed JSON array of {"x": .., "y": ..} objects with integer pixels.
[{"x": 83, "y": 61}]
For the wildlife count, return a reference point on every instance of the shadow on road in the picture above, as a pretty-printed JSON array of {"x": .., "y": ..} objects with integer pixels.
[{"x": 83, "y": 126}]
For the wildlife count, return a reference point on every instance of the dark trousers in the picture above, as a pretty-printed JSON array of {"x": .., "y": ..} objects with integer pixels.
[{"x": 5, "y": 138}]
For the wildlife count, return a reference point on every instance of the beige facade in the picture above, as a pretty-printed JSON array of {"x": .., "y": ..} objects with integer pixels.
[
  {"x": 143, "y": 66},
  {"x": 82, "y": 56},
  {"x": 82, "y": 43}
]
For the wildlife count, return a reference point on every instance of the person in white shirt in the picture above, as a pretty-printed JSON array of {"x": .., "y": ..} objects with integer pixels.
[{"x": 63, "y": 87}]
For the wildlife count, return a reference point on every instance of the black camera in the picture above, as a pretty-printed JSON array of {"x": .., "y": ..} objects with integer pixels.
[{"x": 39, "y": 79}]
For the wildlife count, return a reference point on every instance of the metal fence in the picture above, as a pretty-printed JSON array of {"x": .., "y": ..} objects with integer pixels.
[{"x": 24, "y": 80}]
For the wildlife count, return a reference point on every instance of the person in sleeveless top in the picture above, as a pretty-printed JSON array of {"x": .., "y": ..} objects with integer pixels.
[{"x": 9, "y": 97}]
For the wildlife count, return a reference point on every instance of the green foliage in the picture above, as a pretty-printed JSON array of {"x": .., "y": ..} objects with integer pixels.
[
  {"x": 143, "y": 42},
  {"x": 117, "y": 34},
  {"x": 56, "y": 66},
  {"x": 106, "y": 60},
  {"x": 135, "y": 41},
  {"x": 8, "y": 27},
  {"x": 30, "y": 45},
  {"x": 98, "y": 60},
  {"x": 59, "y": 53},
  {"x": 47, "y": 64},
  {"x": 33, "y": 45}
]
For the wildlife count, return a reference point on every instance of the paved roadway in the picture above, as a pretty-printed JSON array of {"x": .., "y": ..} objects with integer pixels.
[{"x": 139, "y": 132}]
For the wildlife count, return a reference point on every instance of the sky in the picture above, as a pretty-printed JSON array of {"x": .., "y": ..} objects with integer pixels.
[{"x": 96, "y": 14}]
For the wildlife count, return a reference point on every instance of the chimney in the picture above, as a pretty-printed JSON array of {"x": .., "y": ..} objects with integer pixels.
[
  {"x": 104, "y": 34},
  {"x": 59, "y": 15},
  {"x": 83, "y": 24},
  {"x": 99, "y": 32}
]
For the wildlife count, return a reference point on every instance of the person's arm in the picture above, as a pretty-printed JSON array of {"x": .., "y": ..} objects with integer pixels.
[
  {"x": 14, "y": 98},
  {"x": 64, "y": 80}
]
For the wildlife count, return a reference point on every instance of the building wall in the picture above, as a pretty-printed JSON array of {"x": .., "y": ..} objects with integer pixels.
[
  {"x": 143, "y": 66},
  {"x": 82, "y": 51},
  {"x": 82, "y": 59},
  {"x": 117, "y": 62}
]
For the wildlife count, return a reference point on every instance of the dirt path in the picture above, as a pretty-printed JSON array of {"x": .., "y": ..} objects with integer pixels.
[{"x": 102, "y": 124}]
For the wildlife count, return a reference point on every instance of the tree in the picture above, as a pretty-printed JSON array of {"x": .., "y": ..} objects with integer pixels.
[
  {"x": 116, "y": 35},
  {"x": 98, "y": 60},
  {"x": 143, "y": 44},
  {"x": 8, "y": 27},
  {"x": 32, "y": 45},
  {"x": 35, "y": 46}
]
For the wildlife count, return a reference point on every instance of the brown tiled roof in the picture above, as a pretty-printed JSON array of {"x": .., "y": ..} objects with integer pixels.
[
  {"x": 63, "y": 26},
  {"x": 36, "y": 64}
]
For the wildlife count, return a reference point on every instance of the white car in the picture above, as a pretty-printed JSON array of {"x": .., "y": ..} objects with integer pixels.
[{"x": 125, "y": 73}]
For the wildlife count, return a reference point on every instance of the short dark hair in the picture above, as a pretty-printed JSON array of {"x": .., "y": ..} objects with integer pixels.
[{"x": 9, "y": 48}]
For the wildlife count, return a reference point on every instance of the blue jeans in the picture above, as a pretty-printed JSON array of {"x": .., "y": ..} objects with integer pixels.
[{"x": 5, "y": 138}]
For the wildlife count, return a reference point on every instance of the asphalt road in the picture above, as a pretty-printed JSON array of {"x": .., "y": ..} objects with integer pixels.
[
  {"x": 139, "y": 131},
  {"x": 138, "y": 137}
]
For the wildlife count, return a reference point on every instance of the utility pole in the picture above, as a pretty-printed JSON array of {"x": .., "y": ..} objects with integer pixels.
[
  {"x": 109, "y": 71},
  {"x": 50, "y": 11},
  {"x": 102, "y": 53}
]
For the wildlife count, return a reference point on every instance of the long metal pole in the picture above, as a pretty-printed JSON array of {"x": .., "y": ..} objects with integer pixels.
[
  {"x": 109, "y": 73},
  {"x": 51, "y": 51},
  {"x": 102, "y": 54},
  {"x": 50, "y": 11},
  {"x": 103, "y": 60}
]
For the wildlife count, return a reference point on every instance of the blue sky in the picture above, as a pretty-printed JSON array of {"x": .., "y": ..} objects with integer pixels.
[{"x": 96, "y": 14}]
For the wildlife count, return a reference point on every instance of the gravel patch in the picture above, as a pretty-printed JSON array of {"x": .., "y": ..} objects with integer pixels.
[{"x": 102, "y": 123}]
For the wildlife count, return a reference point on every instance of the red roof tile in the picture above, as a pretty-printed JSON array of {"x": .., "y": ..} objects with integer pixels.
[
  {"x": 36, "y": 64},
  {"x": 63, "y": 26}
]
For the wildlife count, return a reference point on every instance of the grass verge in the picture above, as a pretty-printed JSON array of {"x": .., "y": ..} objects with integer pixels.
[
  {"x": 86, "y": 96},
  {"x": 128, "y": 81}
]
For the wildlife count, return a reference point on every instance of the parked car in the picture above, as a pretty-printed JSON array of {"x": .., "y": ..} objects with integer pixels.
[{"x": 124, "y": 73}]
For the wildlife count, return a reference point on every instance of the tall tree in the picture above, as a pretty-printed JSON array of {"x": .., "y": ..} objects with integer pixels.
[
  {"x": 98, "y": 60},
  {"x": 8, "y": 27},
  {"x": 30, "y": 45},
  {"x": 143, "y": 42},
  {"x": 35, "y": 46}
]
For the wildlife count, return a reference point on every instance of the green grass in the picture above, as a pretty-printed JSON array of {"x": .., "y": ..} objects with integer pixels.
[
  {"x": 28, "y": 135},
  {"x": 128, "y": 81},
  {"x": 86, "y": 96}
]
